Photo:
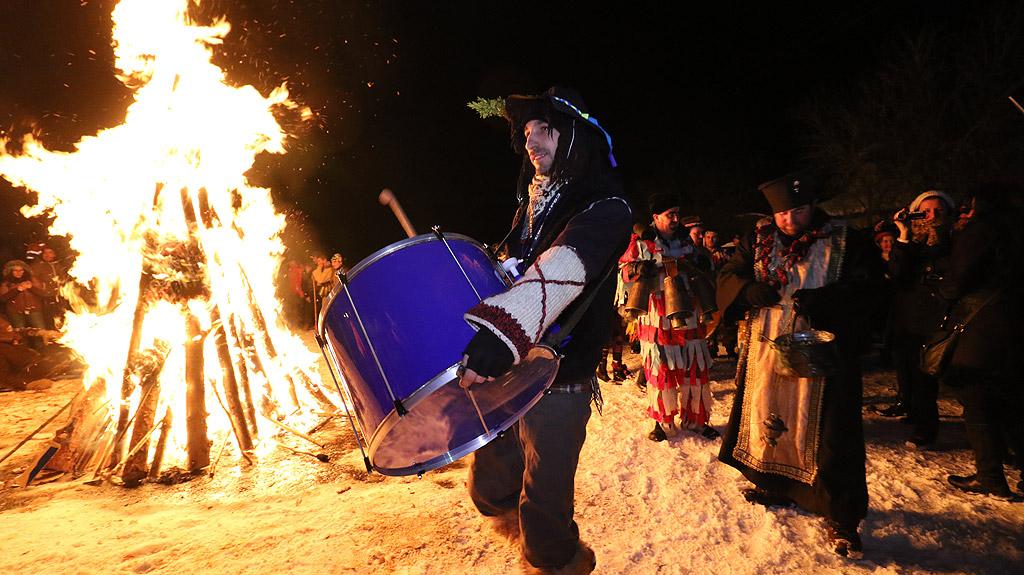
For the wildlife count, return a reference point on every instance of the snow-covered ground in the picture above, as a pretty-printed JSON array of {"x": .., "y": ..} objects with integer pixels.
[{"x": 646, "y": 508}]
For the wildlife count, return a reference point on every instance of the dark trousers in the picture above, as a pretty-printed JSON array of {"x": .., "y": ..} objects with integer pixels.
[
  {"x": 993, "y": 404},
  {"x": 533, "y": 467},
  {"x": 918, "y": 390}
]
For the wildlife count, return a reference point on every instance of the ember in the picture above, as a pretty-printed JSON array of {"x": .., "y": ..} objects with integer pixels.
[{"x": 181, "y": 252}]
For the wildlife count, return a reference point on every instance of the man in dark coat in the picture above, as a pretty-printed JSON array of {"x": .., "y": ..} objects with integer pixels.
[
  {"x": 800, "y": 439},
  {"x": 985, "y": 274},
  {"x": 571, "y": 227}
]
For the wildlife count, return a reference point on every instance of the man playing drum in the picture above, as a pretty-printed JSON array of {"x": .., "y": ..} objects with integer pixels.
[
  {"x": 798, "y": 436},
  {"x": 572, "y": 225}
]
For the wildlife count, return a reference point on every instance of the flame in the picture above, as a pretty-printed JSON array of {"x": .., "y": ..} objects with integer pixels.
[{"x": 164, "y": 195}]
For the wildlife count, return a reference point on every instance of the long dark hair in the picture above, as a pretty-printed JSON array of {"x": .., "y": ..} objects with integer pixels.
[{"x": 581, "y": 156}]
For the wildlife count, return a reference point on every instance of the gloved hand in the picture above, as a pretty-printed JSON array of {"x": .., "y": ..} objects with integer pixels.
[
  {"x": 488, "y": 356},
  {"x": 644, "y": 268},
  {"x": 809, "y": 302},
  {"x": 761, "y": 295}
]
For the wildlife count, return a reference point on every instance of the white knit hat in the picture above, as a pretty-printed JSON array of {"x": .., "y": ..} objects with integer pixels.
[{"x": 950, "y": 204}]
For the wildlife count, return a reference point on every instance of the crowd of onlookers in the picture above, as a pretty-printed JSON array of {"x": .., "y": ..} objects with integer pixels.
[{"x": 33, "y": 312}]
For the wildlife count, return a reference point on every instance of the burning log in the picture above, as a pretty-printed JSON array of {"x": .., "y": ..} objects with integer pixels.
[
  {"x": 198, "y": 443},
  {"x": 161, "y": 444},
  {"x": 234, "y": 403},
  {"x": 94, "y": 445},
  {"x": 243, "y": 374},
  {"x": 149, "y": 365},
  {"x": 297, "y": 433},
  {"x": 267, "y": 405},
  {"x": 145, "y": 280}
]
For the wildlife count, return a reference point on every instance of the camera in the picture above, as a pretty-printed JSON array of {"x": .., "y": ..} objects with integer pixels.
[{"x": 908, "y": 216}]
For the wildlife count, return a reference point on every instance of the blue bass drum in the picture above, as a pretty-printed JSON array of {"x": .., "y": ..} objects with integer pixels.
[{"x": 395, "y": 332}]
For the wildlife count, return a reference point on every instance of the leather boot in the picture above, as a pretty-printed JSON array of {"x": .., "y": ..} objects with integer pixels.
[
  {"x": 843, "y": 539},
  {"x": 898, "y": 409},
  {"x": 971, "y": 484}
]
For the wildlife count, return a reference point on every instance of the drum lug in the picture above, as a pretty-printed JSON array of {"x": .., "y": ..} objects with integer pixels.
[{"x": 400, "y": 409}]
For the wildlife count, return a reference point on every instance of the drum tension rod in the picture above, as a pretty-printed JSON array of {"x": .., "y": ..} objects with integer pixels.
[{"x": 359, "y": 440}]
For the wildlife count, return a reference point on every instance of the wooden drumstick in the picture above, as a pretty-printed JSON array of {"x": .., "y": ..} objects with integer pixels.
[
  {"x": 387, "y": 198},
  {"x": 478, "y": 412}
]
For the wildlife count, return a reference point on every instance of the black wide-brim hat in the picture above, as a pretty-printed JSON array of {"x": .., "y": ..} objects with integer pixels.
[{"x": 520, "y": 110}]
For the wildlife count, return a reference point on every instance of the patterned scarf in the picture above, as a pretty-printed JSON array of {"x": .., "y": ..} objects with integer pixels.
[
  {"x": 542, "y": 191},
  {"x": 768, "y": 249}
]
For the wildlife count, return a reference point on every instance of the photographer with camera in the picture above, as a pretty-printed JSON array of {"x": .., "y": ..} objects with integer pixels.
[{"x": 917, "y": 263}]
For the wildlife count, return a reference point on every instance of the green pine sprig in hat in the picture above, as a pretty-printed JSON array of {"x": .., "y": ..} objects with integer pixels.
[{"x": 487, "y": 108}]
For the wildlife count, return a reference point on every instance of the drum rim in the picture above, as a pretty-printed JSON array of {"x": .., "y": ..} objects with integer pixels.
[
  {"x": 392, "y": 419},
  {"x": 386, "y": 251}
]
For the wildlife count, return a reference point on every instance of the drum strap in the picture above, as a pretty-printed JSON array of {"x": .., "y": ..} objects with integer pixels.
[{"x": 559, "y": 331}]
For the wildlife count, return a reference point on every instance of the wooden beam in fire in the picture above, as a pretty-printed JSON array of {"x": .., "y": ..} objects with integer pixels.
[
  {"x": 148, "y": 366},
  {"x": 234, "y": 404},
  {"x": 197, "y": 439}
]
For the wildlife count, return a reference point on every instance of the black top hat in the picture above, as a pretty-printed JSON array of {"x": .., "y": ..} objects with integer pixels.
[
  {"x": 520, "y": 110},
  {"x": 791, "y": 191}
]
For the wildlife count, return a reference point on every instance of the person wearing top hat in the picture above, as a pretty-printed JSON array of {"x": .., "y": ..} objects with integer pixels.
[
  {"x": 676, "y": 360},
  {"x": 798, "y": 435},
  {"x": 571, "y": 226}
]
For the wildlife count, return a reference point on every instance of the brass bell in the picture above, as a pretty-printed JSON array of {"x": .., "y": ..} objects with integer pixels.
[
  {"x": 639, "y": 299},
  {"x": 678, "y": 305},
  {"x": 704, "y": 292}
]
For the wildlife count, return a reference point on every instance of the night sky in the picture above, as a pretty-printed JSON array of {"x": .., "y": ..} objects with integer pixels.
[{"x": 700, "y": 99}]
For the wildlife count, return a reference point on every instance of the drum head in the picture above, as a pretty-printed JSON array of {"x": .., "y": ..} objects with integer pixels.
[{"x": 443, "y": 424}]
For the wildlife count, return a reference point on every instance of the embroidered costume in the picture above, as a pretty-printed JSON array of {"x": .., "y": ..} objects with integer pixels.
[{"x": 801, "y": 439}]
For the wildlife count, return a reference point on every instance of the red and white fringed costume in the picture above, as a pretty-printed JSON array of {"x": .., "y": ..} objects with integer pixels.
[{"x": 676, "y": 361}]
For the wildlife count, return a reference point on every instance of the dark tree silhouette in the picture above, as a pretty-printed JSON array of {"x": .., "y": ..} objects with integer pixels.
[{"x": 938, "y": 116}]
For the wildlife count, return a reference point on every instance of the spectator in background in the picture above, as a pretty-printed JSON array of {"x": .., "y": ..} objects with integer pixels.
[
  {"x": 917, "y": 262},
  {"x": 885, "y": 237},
  {"x": 322, "y": 275},
  {"x": 338, "y": 264},
  {"x": 22, "y": 296},
  {"x": 712, "y": 245},
  {"x": 693, "y": 226},
  {"x": 985, "y": 273},
  {"x": 296, "y": 296},
  {"x": 51, "y": 275}
]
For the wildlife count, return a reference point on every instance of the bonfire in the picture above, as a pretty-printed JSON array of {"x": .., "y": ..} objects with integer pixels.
[{"x": 172, "y": 293}]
